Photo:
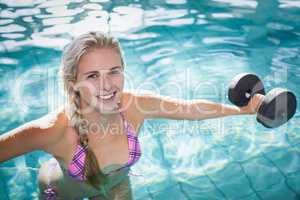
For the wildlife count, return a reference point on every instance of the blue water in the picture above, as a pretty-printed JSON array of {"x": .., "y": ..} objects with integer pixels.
[{"x": 183, "y": 49}]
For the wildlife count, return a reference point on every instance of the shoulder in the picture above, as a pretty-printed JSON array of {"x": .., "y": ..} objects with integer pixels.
[
  {"x": 51, "y": 127},
  {"x": 55, "y": 120},
  {"x": 38, "y": 134},
  {"x": 136, "y": 101},
  {"x": 131, "y": 107},
  {"x": 148, "y": 104}
]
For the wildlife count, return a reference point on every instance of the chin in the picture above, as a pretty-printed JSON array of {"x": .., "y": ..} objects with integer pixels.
[
  {"x": 110, "y": 107},
  {"x": 107, "y": 109}
]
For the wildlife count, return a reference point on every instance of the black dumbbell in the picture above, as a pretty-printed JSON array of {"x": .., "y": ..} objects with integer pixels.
[{"x": 278, "y": 106}]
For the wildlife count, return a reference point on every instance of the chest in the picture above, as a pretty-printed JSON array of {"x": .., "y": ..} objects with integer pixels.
[{"x": 113, "y": 150}]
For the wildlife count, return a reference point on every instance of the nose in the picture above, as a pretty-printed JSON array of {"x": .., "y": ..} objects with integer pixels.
[{"x": 105, "y": 83}]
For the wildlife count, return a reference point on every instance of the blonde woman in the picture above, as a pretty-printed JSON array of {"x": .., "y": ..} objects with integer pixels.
[{"x": 94, "y": 137}]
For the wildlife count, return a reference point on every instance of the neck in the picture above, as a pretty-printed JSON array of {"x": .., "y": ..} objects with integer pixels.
[
  {"x": 103, "y": 118},
  {"x": 103, "y": 125}
]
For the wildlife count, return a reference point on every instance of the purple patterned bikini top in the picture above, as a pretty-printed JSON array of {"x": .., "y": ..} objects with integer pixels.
[{"x": 76, "y": 168}]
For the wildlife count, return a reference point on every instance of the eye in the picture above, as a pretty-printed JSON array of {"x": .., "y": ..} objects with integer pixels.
[{"x": 93, "y": 76}]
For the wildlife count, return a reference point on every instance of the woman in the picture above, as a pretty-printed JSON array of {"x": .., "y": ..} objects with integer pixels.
[{"x": 94, "y": 137}]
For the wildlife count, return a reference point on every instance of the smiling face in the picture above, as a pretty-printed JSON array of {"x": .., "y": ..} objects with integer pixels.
[{"x": 100, "y": 79}]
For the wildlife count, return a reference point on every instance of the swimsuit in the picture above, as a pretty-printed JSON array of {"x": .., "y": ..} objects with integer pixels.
[{"x": 76, "y": 168}]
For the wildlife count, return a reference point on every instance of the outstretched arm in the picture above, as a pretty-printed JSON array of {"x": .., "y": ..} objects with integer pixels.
[
  {"x": 35, "y": 135},
  {"x": 153, "y": 106}
]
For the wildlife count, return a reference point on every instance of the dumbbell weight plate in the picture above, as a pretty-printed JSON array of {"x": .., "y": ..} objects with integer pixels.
[
  {"x": 242, "y": 84},
  {"x": 278, "y": 107}
]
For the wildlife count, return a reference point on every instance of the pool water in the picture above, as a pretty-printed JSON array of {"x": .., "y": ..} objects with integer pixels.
[{"x": 183, "y": 49}]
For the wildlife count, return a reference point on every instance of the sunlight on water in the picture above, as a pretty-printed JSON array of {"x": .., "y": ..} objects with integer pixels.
[{"x": 247, "y": 3}]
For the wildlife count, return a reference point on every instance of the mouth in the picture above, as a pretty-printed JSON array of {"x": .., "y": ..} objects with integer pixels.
[{"x": 107, "y": 97}]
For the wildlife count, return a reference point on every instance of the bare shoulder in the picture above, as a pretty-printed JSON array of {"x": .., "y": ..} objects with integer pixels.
[
  {"x": 131, "y": 108},
  {"x": 54, "y": 119},
  {"x": 146, "y": 104},
  {"x": 54, "y": 125},
  {"x": 133, "y": 102},
  {"x": 49, "y": 125},
  {"x": 37, "y": 134}
]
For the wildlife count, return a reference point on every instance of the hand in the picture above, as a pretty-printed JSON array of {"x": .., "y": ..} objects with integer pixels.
[{"x": 253, "y": 104}]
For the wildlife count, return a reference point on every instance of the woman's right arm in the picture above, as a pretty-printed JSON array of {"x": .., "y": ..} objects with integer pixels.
[{"x": 39, "y": 134}]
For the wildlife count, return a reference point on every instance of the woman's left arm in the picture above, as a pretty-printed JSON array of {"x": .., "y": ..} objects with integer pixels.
[{"x": 153, "y": 106}]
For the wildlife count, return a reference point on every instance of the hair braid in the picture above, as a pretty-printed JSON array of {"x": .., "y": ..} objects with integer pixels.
[
  {"x": 71, "y": 56},
  {"x": 91, "y": 167}
]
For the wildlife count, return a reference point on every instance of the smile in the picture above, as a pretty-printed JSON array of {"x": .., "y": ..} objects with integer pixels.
[{"x": 107, "y": 96}]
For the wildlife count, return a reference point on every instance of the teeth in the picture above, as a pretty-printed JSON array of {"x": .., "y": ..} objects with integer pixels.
[{"x": 106, "y": 96}]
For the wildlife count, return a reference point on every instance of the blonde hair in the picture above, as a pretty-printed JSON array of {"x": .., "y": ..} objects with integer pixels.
[{"x": 71, "y": 56}]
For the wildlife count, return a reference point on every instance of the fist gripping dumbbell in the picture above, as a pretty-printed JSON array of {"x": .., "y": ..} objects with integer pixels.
[{"x": 278, "y": 106}]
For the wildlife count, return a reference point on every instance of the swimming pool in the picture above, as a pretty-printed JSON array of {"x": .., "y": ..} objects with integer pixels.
[{"x": 184, "y": 49}]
